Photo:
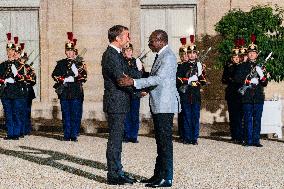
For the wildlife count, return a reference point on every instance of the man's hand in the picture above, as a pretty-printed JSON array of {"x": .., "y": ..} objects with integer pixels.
[{"x": 125, "y": 81}]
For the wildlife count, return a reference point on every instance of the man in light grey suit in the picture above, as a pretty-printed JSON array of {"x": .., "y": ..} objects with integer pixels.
[{"x": 164, "y": 102}]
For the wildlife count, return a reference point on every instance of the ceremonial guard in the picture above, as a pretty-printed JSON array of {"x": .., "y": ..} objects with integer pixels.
[
  {"x": 13, "y": 93},
  {"x": 183, "y": 58},
  {"x": 69, "y": 75},
  {"x": 189, "y": 80},
  {"x": 131, "y": 123},
  {"x": 252, "y": 76},
  {"x": 232, "y": 95},
  {"x": 30, "y": 81}
]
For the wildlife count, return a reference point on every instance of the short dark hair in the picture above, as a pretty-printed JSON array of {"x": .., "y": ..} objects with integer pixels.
[
  {"x": 162, "y": 35},
  {"x": 115, "y": 31}
]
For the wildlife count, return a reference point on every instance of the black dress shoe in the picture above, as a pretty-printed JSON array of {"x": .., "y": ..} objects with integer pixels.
[
  {"x": 121, "y": 180},
  {"x": 133, "y": 140},
  {"x": 160, "y": 183},
  {"x": 8, "y": 138},
  {"x": 258, "y": 145},
  {"x": 246, "y": 144},
  {"x": 125, "y": 140},
  {"x": 15, "y": 138},
  {"x": 194, "y": 143},
  {"x": 74, "y": 139},
  {"x": 187, "y": 141},
  {"x": 150, "y": 180},
  {"x": 66, "y": 139}
]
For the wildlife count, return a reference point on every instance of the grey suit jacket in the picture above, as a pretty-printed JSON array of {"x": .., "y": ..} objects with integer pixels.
[
  {"x": 116, "y": 99},
  {"x": 164, "y": 97}
]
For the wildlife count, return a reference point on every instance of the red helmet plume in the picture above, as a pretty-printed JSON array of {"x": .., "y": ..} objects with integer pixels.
[
  {"x": 9, "y": 36},
  {"x": 253, "y": 38},
  {"x": 183, "y": 40},
  {"x": 191, "y": 38},
  {"x": 70, "y": 36},
  {"x": 22, "y": 46},
  {"x": 75, "y": 42},
  {"x": 16, "y": 40}
]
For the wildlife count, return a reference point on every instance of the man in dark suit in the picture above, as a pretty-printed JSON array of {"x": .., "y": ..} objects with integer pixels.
[
  {"x": 164, "y": 102},
  {"x": 116, "y": 102}
]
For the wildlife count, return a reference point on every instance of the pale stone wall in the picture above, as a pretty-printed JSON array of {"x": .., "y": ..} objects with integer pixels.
[{"x": 90, "y": 21}]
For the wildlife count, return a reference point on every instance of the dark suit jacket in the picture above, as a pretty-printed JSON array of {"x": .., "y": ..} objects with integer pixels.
[{"x": 116, "y": 99}]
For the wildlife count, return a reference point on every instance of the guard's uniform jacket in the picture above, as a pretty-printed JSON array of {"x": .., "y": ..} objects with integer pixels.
[
  {"x": 71, "y": 90},
  {"x": 192, "y": 92},
  {"x": 228, "y": 78},
  {"x": 255, "y": 94},
  {"x": 14, "y": 90}
]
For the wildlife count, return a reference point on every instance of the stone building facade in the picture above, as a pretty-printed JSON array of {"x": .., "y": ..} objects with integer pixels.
[{"x": 47, "y": 22}]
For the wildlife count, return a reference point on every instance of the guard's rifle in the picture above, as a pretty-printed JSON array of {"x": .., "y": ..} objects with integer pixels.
[
  {"x": 79, "y": 61},
  {"x": 204, "y": 56},
  {"x": 32, "y": 62},
  {"x": 142, "y": 57},
  {"x": 252, "y": 74}
]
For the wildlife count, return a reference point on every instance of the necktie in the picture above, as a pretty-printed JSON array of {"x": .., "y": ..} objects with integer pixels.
[{"x": 156, "y": 57}]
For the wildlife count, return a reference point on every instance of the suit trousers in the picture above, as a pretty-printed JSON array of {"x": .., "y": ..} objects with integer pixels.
[
  {"x": 252, "y": 122},
  {"x": 14, "y": 110},
  {"x": 114, "y": 144},
  {"x": 163, "y": 123}
]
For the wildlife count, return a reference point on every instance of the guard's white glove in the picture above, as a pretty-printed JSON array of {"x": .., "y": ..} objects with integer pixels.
[
  {"x": 139, "y": 64},
  {"x": 192, "y": 78},
  {"x": 9, "y": 80},
  {"x": 14, "y": 70},
  {"x": 259, "y": 72},
  {"x": 199, "y": 68},
  {"x": 68, "y": 79},
  {"x": 74, "y": 70},
  {"x": 254, "y": 81}
]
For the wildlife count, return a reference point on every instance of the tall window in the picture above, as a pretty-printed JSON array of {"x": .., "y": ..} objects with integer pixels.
[
  {"x": 24, "y": 23},
  {"x": 177, "y": 20}
]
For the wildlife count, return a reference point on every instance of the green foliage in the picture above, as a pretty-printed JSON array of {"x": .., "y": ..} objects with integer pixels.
[{"x": 263, "y": 21}]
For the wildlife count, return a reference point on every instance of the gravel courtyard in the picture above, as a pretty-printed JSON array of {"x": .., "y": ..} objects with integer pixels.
[{"x": 43, "y": 161}]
